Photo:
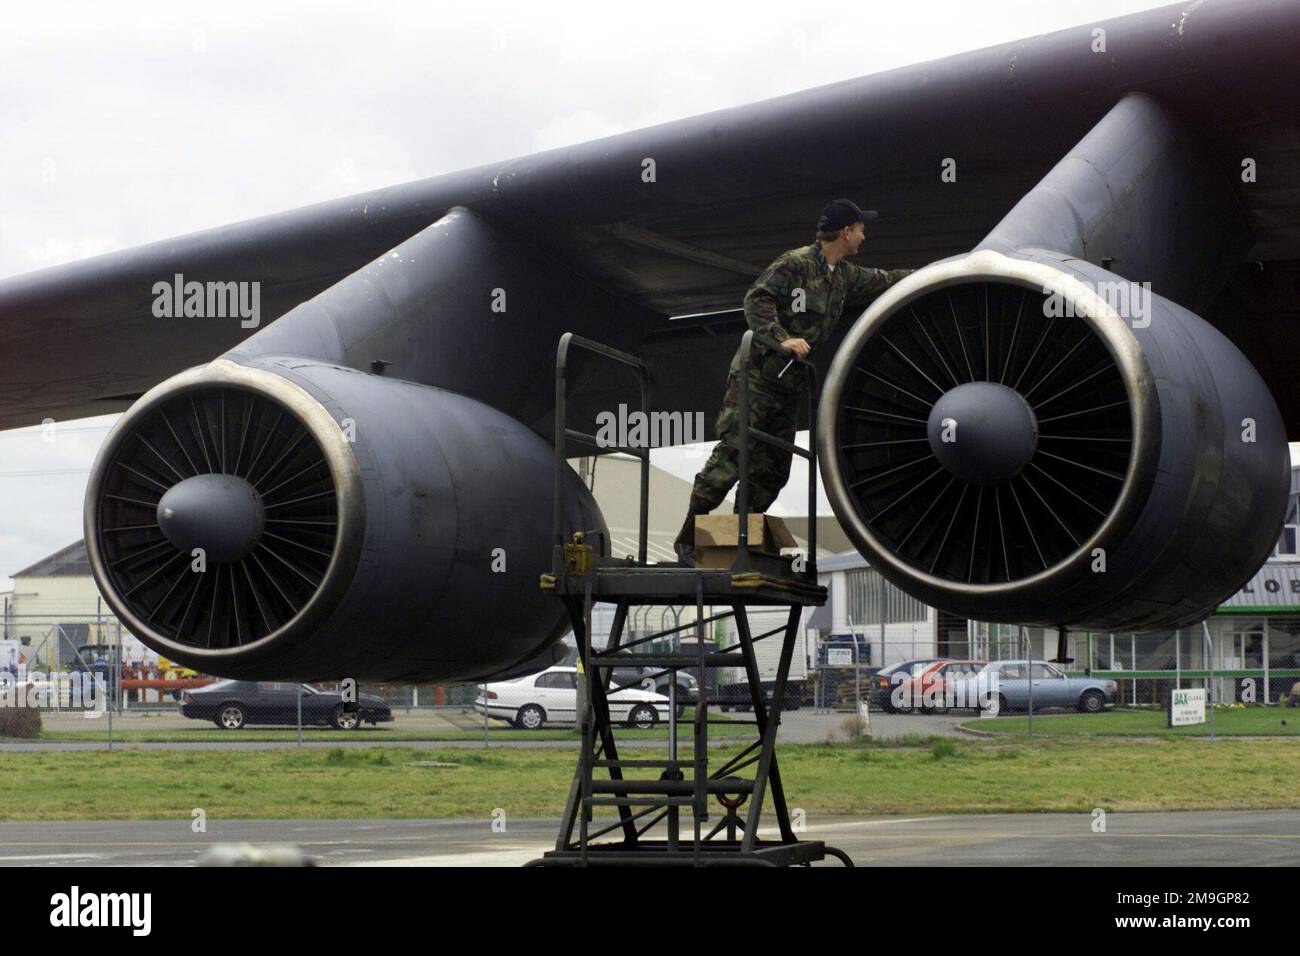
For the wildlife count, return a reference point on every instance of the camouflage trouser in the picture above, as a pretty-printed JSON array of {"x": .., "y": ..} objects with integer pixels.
[{"x": 769, "y": 467}]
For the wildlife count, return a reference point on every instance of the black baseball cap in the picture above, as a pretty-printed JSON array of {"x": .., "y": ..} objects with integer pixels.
[{"x": 843, "y": 212}]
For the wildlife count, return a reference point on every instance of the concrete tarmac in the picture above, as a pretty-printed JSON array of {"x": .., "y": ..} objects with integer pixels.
[{"x": 1219, "y": 838}]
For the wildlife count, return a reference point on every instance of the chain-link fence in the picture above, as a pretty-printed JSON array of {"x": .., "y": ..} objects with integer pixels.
[
  {"x": 81, "y": 679},
  {"x": 888, "y": 666},
  {"x": 94, "y": 684}
]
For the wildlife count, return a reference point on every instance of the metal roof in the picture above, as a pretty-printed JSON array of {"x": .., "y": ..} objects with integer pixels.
[
  {"x": 1274, "y": 587},
  {"x": 66, "y": 562},
  {"x": 844, "y": 561}
]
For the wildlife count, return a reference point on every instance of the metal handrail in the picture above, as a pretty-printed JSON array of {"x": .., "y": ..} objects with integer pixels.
[
  {"x": 563, "y": 432},
  {"x": 742, "y": 493}
]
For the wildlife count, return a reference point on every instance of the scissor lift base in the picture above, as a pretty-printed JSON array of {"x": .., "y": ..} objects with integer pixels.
[
  {"x": 718, "y": 853},
  {"x": 701, "y": 815}
]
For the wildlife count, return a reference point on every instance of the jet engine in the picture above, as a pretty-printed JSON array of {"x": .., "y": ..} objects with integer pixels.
[
  {"x": 296, "y": 519},
  {"x": 1023, "y": 434}
]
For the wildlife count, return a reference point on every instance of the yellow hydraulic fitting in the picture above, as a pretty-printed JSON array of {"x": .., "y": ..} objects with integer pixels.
[{"x": 577, "y": 556}]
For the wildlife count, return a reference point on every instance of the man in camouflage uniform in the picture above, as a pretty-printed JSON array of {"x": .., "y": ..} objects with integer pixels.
[{"x": 797, "y": 302}]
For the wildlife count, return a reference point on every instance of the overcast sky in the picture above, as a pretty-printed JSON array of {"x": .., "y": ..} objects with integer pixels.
[{"x": 126, "y": 122}]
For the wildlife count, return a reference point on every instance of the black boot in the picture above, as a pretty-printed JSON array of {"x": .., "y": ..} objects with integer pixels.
[{"x": 684, "y": 543}]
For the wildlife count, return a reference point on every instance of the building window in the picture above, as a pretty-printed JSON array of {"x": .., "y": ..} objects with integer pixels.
[
  {"x": 1288, "y": 542},
  {"x": 864, "y": 593}
]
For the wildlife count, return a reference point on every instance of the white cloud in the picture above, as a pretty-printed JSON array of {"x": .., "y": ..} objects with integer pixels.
[{"x": 576, "y": 127}]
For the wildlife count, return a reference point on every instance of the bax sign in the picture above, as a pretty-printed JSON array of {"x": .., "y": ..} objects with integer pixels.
[{"x": 1187, "y": 707}]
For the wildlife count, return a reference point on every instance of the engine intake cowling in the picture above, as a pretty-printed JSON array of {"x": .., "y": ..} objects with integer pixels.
[{"x": 297, "y": 519}]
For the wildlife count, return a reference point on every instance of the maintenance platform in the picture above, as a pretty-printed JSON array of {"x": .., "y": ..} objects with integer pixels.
[{"x": 699, "y": 803}]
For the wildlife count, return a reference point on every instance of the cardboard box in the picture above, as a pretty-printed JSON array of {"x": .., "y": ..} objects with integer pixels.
[{"x": 717, "y": 538}]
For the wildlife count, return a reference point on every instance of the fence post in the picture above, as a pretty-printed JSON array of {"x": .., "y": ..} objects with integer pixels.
[
  {"x": 1029, "y": 673},
  {"x": 1209, "y": 684},
  {"x": 109, "y": 691}
]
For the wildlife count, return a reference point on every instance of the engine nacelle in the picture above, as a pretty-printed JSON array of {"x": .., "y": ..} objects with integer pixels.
[
  {"x": 999, "y": 441},
  {"x": 1022, "y": 435},
  {"x": 293, "y": 518}
]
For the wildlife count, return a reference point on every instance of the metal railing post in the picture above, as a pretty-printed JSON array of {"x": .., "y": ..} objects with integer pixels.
[
  {"x": 742, "y": 489},
  {"x": 810, "y": 454},
  {"x": 561, "y": 426},
  {"x": 563, "y": 432}
]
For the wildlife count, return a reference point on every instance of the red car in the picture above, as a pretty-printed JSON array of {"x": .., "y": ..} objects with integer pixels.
[{"x": 928, "y": 690}]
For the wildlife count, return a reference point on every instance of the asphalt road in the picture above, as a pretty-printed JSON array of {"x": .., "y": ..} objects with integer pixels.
[
  {"x": 1257, "y": 838},
  {"x": 799, "y": 726}
]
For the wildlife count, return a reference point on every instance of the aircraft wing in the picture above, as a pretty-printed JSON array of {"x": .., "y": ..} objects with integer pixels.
[{"x": 731, "y": 189}]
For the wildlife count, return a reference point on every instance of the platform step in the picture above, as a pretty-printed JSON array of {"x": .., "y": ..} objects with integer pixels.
[
  {"x": 670, "y": 786},
  {"x": 638, "y": 801}
]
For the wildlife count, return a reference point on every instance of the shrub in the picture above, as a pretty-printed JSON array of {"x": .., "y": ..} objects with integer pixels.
[
  {"x": 943, "y": 748},
  {"x": 854, "y": 727},
  {"x": 22, "y": 722}
]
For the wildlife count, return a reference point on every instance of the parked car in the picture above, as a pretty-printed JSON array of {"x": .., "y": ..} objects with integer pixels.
[
  {"x": 1051, "y": 688},
  {"x": 935, "y": 687},
  {"x": 657, "y": 680},
  {"x": 881, "y": 687},
  {"x": 737, "y": 695},
  {"x": 551, "y": 697},
  {"x": 233, "y": 704},
  {"x": 88, "y": 654}
]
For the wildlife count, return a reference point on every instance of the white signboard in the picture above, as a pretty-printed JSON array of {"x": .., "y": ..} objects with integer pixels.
[
  {"x": 1186, "y": 707},
  {"x": 839, "y": 656}
]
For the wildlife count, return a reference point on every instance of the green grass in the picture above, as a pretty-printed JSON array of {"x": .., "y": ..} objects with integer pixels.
[
  {"x": 1236, "y": 722},
  {"x": 1065, "y": 774}
]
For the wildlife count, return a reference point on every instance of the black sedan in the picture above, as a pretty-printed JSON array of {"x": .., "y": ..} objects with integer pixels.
[
  {"x": 232, "y": 704},
  {"x": 657, "y": 681}
]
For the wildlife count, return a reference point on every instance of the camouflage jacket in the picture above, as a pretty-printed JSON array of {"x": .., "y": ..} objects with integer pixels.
[{"x": 800, "y": 296}]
